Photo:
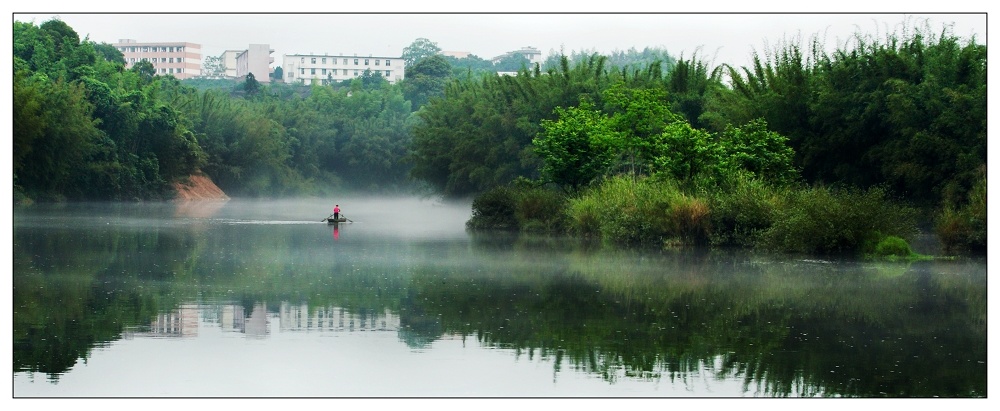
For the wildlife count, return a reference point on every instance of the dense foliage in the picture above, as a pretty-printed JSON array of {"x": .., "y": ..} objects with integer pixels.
[
  {"x": 85, "y": 128},
  {"x": 905, "y": 114}
]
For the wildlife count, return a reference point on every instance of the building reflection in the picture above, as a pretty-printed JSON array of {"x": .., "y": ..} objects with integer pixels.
[
  {"x": 300, "y": 317},
  {"x": 235, "y": 318}
]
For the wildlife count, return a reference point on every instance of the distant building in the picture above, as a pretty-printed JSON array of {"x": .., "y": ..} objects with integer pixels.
[
  {"x": 179, "y": 59},
  {"x": 530, "y": 53},
  {"x": 229, "y": 62},
  {"x": 456, "y": 54},
  {"x": 257, "y": 60},
  {"x": 317, "y": 68}
]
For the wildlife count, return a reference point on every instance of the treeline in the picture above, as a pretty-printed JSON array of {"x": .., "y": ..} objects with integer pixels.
[
  {"x": 905, "y": 115},
  {"x": 898, "y": 122},
  {"x": 86, "y": 128}
]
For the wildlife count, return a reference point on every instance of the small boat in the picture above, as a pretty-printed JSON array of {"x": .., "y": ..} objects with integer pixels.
[{"x": 331, "y": 220}]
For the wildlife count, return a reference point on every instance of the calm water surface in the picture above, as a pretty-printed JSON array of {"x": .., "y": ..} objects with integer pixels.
[{"x": 261, "y": 299}]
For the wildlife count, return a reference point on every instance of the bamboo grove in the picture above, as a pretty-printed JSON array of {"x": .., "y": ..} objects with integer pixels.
[{"x": 905, "y": 114}]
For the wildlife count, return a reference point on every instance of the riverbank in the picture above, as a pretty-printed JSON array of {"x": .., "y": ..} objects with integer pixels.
[{"x": 198, "y": 187}]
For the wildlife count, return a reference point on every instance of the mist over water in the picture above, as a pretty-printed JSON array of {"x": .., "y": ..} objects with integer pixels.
[{"x": 261, "y": 298}]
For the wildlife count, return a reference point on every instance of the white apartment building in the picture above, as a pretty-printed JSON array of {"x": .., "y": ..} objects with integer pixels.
[
  {"x": 229, "y": 62},
  {"x": 316, "y": 68},
  {"x": 532, "y": 54},
  {"x": 255, "y": 59},
  {"x": 179, "y": 59}
]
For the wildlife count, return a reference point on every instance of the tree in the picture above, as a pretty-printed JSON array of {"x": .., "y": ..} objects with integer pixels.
[
  {"x": 756, "y": 149},
  {"x": 109, "y": 53},
  {"x": 420, "y": 49},
  {"x": 251, "y": 86},
  {"x": 426, "y": 79},
  {"x": 145, "y": 70},
  {"x": 682, "y": 152},
  {"x": 371, "y": 80},
  {"x": 213, "y": 67},
  {"x": 578, "y": 147}
]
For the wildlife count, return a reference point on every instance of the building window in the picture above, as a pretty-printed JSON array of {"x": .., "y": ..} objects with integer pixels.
[
  {"x": 345, "y": 62},
  {"x": 324, "y": 60},
  {"x": 376, "y": 62},
  {"x": 387, "y": 62},
  {"x": 355, "y": 62},
  {"x": 355, "y": 73},
  {"x": 302, "y": 71},
  {"x": 180, "y": 70},
  {"x": 387, "y": 73},
  {"x": 345, "y": 72},
  {"x": 323, "y": 72},
  {"x": 180, "y": 59},
  {"x": 313, "y": 60},
  {"x": 312, "y": 71},
  {"x": 171, "y": 60},
  {"x": 366, "y": 62},
  {"x": 302, "y": 60}
]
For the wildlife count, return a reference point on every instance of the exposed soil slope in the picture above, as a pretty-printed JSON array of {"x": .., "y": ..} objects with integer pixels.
[{"x": 199, "y": 187}]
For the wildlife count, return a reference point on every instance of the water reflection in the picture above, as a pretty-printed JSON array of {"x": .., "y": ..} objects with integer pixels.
[{"x": 771, "y": 325}]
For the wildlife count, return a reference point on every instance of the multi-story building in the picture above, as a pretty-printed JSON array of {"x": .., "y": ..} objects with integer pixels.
[
  {"x": 229, "y": 62},
  {"x": 457, "y": 54},
  {"x": 532, "y": 54},
  {"x": 325, "y": 68},
  {"x": 255, "y": 59},
  {"x": 179, "y": 59}
]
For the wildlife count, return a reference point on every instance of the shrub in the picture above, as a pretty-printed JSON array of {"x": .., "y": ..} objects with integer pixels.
[
  {"x": 964, "y": 228},
  {"x": 540, "y": 210},
  {"x": 494, "y": 209},
  {"x": 518, "y": 208},
  {"x": 742, "y": 210},
  {"x": 822, "y": 220},
  {"x": 688, "y": 221},
  {"x": 892, "y": 246},
  {"x": 640, "y": 212}
]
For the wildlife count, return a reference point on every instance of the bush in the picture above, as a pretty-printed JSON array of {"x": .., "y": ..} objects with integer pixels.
[
  {"x": 540, "y": 210},
  {"x": 892, "y": 246},
  {"x": 688, "y": 221},
  {"x": 964, "y": 228},
  {"x": 640, "y": 212},
  {"x": 826, "y": 221},
  {"x": 494, "y": 209},
  {"x": 522, "y": 208},
  {"x": 742, "y": 210}
]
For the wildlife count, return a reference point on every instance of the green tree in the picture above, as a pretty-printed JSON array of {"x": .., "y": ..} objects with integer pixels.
[
  {"x": 213, "y": 67},
  {"x": 251, "y": 86},
  {"x": 145, "y": 70},
  {"x": 420, "y": 49},
  {"x": 754, "y": 148},
  {"x": 109, "y": 53},
  {"x": 578, "y": 147},
  {"x": 426, "y": 79},
  {"x": 682, "y": 152}
]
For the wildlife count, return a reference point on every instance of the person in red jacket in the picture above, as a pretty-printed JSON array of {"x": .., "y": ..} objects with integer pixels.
[{"x": 336, "y": 212}]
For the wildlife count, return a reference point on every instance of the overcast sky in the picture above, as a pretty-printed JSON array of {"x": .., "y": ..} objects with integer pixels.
[{"x": 718, "y": 38}]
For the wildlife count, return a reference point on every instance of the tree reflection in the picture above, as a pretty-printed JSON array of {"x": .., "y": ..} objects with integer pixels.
[{"x": 786, "y": 327}]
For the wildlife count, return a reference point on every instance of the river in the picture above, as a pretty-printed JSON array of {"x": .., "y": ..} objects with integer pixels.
[{"x": 263, "y": 299}]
